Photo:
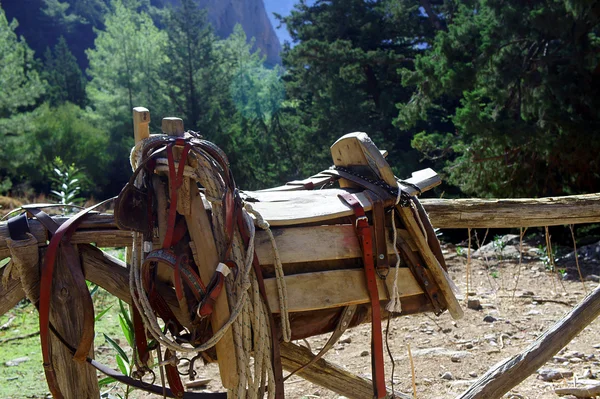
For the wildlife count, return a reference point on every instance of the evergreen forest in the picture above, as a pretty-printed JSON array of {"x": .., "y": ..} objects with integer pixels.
[{"x": 501, "y": 97}]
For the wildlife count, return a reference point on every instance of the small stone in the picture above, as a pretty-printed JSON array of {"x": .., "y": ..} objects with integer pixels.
[
  {"x": 533, "y": 313},
  {"x": 474, "y": 304},
  {"x": 575, "y": 360},
  {"x": 447, "y": 376},
  {"x": 455, "y": 358},
  {"x": 588, "y": 374},
  {"x": 17, "y": 361},
  {"x": 489, "y": 319},
  {"x": 346, "y": 340},
  {"x": 472, "y": 374},
  {"x": 550, "y": 375},
  {"x": 364, "y": 353},
  {"x": 559, "y": 359}
]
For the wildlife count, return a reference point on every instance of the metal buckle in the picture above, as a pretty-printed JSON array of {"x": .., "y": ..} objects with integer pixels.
[{"x": 360, "y": 218}]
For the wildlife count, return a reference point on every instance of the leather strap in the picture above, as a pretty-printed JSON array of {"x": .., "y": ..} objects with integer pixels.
[
  {"x": 378, "y": 216},
  {"x": 62, "y": 235},
  {"x": 342, "y": 325},
  {"x": 173, "y": 376},
  {"x": 363, "y": 231},
  {"x": 18, "y": 227},
  {"x": 387, "y": 198}
]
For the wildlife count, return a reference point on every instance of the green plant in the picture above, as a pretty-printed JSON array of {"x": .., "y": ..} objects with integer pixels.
[
  {"x": 460, "y": 251},
  {"x": 494, "y": 274},
  {"x": 66, "y": 181},
  {"x": 499, "y": 244},
  {"x": 542, "y": 252},
  {"x": 124, "y": 363}
]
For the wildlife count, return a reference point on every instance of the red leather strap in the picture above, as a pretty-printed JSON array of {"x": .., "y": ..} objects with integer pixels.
[
  {"x": 139, "y": 335},
  {"x": 175, "y": 182},
  {"x": 63, "y": 235},
  {"x": 363, "y": 231},
  {"x": 173, "y": 377}
]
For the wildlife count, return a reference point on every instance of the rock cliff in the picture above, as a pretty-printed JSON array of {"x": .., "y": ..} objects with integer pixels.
[{"x": 251, "y": 14}]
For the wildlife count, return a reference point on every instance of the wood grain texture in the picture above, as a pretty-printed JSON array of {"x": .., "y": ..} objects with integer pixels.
[
  {"x": 508, "y": 213},
  {"x": 141, "y": 123},
  {"x": 10, "y": 295},
  {"x": 438, "y": 274},
  {"x": 288, "y": 208},
  {"x": 336, "y": 288},
  {"x": 207, "y": 259},
  {"x": 357, "y": 151},
  {"x": 325, "y": 374},
  {"x": 76, "y": 379},
  {"x": 444, "y": 213},
  {"x": 511, "y": 372}
]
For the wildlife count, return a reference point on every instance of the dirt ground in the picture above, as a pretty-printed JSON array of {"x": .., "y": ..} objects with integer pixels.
[{"x": 450, "y": 355}]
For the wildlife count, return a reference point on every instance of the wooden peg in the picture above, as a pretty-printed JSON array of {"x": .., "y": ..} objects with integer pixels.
[
  {"x": 141, "y": 122},
  {"x": 172, "y": 126}
]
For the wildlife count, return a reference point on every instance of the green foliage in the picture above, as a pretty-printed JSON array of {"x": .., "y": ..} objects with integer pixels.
[
  {"x": 125, "y": 66},
  {"x": 65, "y": 80},
  {"x": 189, "y": 70},
  {"x": 20, "y": 82},
  {"x": 341, "y": 73},
  {"x": 66, "y": 180},
  {"x": 70, "y": 133},
  {"x": 521, "y": 92}
]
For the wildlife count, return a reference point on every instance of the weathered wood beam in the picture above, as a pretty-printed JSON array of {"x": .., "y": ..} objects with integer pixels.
[
  {"x": 11, "y": 294},
  {"x": 502, "y": 377},
  {"x": 326, "y": 374},
  {"x": 509, "y": 213},
  {"x": 444, "y": 213}
]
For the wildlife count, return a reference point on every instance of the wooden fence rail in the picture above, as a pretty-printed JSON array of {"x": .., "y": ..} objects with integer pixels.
[{"x": 444, "y": 213}]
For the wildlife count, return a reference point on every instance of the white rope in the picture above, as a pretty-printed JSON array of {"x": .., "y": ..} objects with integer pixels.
[
  {"x": 280, "y": 276},
  {"x": 394, "y": 305}
]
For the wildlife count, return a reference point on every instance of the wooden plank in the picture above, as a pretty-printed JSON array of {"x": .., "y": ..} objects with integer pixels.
[
  {"x": 75, "y": 379},
  {"x": 336, "y": 288},
  {"x": 207, "y": 257},
  {"x": 509, "y": 373},
  {"x": 327, "y": 242},
  {"x": 438, "y": 274},
  {"x": 298, "y": 207},
  {"x": 517, "y": 212}
]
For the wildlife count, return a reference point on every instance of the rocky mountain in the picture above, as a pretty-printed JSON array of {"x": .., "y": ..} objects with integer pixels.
[{"x": 252, "y": 15}]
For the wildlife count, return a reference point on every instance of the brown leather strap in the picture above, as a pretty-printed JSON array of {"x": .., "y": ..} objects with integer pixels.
[
  {"x": 173, "y": 376},
  {"x": 63, "y": 232},
  {"x": 363, "y": 231},
  {"x": 342, "y": 325},
  {"x": 378, "y": 216}
]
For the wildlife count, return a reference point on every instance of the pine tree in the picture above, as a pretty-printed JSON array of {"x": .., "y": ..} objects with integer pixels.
[
  {"x": 341, "y": 73},
  {"x": 125, "y": 65},
  {"x": 519, "y": 84},
  {"x": 190, "y": 53},
  {"x": 20, "y": 90},
  {"x": 65, "y": 80}
]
